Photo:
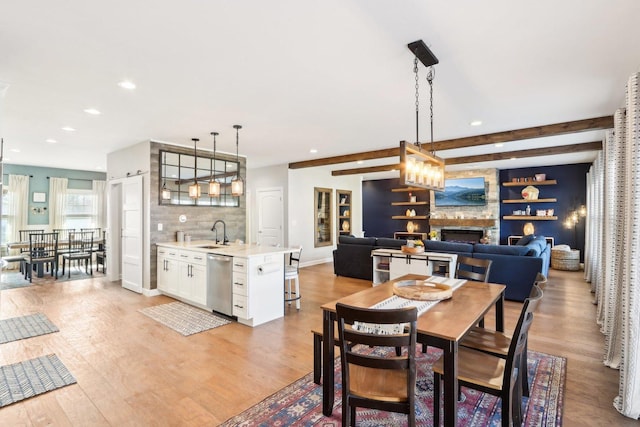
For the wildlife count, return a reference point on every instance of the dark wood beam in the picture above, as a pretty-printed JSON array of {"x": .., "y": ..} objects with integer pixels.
[
  {"x": 534, "y": 152},
  {"x": 565, "y": 128}
]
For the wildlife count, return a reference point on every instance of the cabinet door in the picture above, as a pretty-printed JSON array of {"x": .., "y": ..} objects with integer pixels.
[
  {"x": 168, "y": 275},
  {"x": 184, "y": 288},
  {"x": 418, "y": 266},
  {"x": 198, "y": 284},
  {"x": 398, "y": 267}
]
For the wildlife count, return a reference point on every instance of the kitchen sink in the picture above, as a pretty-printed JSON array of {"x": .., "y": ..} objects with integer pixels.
[{"x": 208, "y": 246}]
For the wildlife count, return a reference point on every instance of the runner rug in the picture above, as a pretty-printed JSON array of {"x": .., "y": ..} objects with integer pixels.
[
  {"x": 32, "y": 325},
  {"x": 32, "y": 377},
  {"x": 300, "y": 403},
  {"x": 183, "y": 318}
]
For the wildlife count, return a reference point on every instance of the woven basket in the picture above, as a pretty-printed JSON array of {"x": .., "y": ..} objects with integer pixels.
[{"x": 565, "y": 260}]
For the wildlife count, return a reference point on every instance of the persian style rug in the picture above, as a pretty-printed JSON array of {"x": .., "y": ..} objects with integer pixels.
[
  {"x": 300, "y": 403},
  {"x": 26, "y": 379},
  {"x": 32, "y": 325},
  {"x": 183, "y": 318}
]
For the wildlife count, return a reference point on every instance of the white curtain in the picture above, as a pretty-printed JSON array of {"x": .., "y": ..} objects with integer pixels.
[
  {"x": 616, "y": 282},
  {"x": 57, "y": 201},
  {"x": 595, "y": 222},
  {"x": 18, "y": 209},
  {"x": 100, "y": 205}
]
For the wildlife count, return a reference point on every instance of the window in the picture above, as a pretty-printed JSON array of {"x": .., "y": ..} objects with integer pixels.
[
  {"x": 7, "y": 220},
  {"x": 79, "y": 209}
]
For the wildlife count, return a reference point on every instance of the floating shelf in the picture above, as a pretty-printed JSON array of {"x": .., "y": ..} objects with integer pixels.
[
  {"x": 534, "y": 183},
  {"x": 530, "y": 201},
  {"x": 469, "y": 222},
  {"x": 408, "y": 203},
  {"x": 530, "y": 218},
  {"x": 407, "y": 189},
  {"x": 409, "y": 217}
]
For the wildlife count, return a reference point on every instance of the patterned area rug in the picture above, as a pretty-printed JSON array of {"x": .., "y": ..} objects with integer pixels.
[
  {"x": 12, "y": 280},
  {"x": 184, "y": 318},
  {"x": 300, "y": 403},
  {"x": 32, "y": 377},
  {"x": 32, "y": 325}
]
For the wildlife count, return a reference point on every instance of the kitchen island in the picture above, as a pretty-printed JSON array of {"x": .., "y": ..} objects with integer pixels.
[{"x": 251, "y": 286}]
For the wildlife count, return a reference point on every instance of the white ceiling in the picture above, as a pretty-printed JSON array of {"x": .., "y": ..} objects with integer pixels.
[{"x": 334, "y": 75}]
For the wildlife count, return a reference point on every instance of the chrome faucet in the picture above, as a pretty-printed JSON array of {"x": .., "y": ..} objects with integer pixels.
[{"x": 225, "y": 239}]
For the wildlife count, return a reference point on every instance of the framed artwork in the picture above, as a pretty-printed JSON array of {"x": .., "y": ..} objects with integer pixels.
[{"x": 39, "y": 197}]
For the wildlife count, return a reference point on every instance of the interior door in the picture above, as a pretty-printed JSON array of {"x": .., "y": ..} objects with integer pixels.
[
  {"x": 131, "y": 237},
  {"x": 270, "y": 217}
]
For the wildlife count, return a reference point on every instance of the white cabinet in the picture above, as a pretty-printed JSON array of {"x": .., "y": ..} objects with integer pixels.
[
  {"x": 183, "y": 274},
  {"x": 168, "y": 270},
  {"x": 399, "y": 266},
  {"x": 389, "y": 264},
  {"x": 258, "y": 288}
]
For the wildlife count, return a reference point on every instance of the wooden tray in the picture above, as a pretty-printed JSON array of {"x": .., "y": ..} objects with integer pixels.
[
  {"x": 414, "y": 250},
  {"x": 422, "y": 290}
]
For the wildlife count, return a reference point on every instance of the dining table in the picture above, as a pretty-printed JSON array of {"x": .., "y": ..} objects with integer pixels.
[{"x": 443, "y": 326}]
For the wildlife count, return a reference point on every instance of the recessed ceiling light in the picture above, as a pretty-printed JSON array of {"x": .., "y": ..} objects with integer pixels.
[
  {"x": 15, "y": 150},
  {"x": 513, "y": 158},
  {"x": 51, "y": 141},
  {"x": 313, "y": 151},
  {"x": 92, "y": 111},
  {"x": 68, "y": 129},
  {"x": 476, "y": 123},
  {"x": 127, "y": 85},
  {"x": 359, "y": 162},
  {"x": 498, "y": 145}
]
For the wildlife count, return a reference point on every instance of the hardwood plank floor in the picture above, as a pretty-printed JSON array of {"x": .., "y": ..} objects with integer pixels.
[{"x": 133, "y": 371}]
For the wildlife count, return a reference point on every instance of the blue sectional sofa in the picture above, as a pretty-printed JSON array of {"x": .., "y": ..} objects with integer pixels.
[{"x": 516, "y": 266}]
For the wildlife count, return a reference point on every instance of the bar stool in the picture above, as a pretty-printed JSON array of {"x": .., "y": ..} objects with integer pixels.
[{"x": 291, "y": 274}]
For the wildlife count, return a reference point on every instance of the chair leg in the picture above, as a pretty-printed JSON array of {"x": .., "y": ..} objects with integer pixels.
[
  {"x": 317, "y": 358},
  {"x": 524, "y": 370},
  {"x": 436, "y": 399},
  {"x": 297, "y": 293},
  {"x": 507, "y": 410}
]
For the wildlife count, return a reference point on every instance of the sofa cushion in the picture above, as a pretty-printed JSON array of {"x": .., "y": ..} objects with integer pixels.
[
  {"x": 525, "y": 240},
  {"x": 357, "y": 240},
  {"x": 536, "y": 246},
  {"x": 500, "y": 249},
  {"x": 436, "y": 245},
  {"x": 388, "y": 243}
]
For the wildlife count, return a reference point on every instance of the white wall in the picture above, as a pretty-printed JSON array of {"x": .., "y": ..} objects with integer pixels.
[
  {"x": 301, "y": 209},
  {"x": 267, "y": 177},
  {"x": 130, "y": 160}
]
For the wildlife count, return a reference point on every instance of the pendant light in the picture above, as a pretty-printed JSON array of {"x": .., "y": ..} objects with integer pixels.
[
  {"x": 420, "y": 167},
  {"x": 214, "y": 186},
  {"x": 237, "y": 185},
  {"x": 194, "y": 189},
  {"x": 166, "y": 193}
]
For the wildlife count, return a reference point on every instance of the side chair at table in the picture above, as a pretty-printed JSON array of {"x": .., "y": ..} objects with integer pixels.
[
  {"x": 80, "y": 248},
  {"x": 491, "y": 374},
  {"x": 373, "y": 375},
  {"x": 43, "y": 249}
]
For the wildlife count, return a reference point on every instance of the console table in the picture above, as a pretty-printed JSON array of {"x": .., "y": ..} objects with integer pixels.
[{"x": 389, "y": 264}]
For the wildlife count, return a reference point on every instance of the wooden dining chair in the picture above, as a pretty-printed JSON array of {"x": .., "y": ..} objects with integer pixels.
[
  {"x": 491, "y": 374},
  {"x": 475, "y": 269},
  {"x": 497, "y": 343},
  {"x": 43, "y": 250},
  {"x": 80, "y": 248},
  {"x": 63, "y": 233},
  {"x": 101, "y": 254},
  {"x": 373, "y": 375}
]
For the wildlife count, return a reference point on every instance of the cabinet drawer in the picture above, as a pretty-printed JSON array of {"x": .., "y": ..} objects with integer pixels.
[
  {"x": 193, "y": 257},
  {"x": 168, "y": 253},
  {"x": 240, "y": 308},
  {"x": 240, "y": 264},
  {"x": 240, "y": 283}
]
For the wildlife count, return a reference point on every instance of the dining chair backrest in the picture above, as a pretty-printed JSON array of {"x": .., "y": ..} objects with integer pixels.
[
  {"x": 43, "y": 247},
  {"x": 97, "y": 232},
  {"x": 475, "y": 269},
  {"x": 81, "y": 241},
  {"x": 63, "y": 233},
  {"x": 373, "y": 376},
  {"x": 520, "y": 334}
]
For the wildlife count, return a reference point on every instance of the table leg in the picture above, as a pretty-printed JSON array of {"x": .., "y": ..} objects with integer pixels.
[
  {"x": 328, "y": 360},
  {"x": 40, "y": 269},
  {"x": 451, "y": 383},
  {"x": 500, "y": 314}
]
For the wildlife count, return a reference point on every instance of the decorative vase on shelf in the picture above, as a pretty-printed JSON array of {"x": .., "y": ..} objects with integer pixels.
[
  {"x": 345, "y": 225},
  {"x": 530, "y": 193},
  {"x": 411, "y": 227}
]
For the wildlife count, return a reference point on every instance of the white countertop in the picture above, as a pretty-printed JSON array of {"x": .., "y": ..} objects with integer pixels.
[{"x": 232, "y": 249}]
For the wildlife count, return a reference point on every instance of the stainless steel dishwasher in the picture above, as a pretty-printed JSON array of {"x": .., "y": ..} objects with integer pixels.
[{"x": 219, "y": 286}]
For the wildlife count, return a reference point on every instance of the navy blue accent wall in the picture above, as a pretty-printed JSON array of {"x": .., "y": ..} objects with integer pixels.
[
  {"x": 377, "y": 210},
  {"x": 571, "y": 192}
]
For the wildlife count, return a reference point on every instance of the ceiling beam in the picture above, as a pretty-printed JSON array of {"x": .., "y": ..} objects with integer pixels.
[
  {"x": 564, "y": 128},
  {"x": 534, "y": 152}
]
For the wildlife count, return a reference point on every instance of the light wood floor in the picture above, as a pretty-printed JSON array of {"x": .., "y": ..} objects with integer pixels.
[{"x": 133, "y": 371}]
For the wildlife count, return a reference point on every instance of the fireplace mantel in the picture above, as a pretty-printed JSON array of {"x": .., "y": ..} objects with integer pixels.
[{"x": 467, "y": 222}]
